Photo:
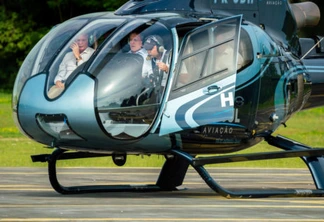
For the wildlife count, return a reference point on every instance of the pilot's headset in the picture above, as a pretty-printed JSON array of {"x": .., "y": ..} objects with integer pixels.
[
  {"x": 90, "y": 39},
  {"x": 157, "y": 40}
]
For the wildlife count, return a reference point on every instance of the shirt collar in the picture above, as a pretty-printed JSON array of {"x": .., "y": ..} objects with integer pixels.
[{"x": 86, "y": 50}]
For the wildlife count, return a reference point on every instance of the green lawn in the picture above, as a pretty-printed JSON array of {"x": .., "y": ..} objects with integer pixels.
[{"x": 15, "y": 149}]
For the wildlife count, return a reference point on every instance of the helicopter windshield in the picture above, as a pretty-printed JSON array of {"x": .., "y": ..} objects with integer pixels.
[
  {"x": 65, "y": 67},
  {"x": 43, "y": 52},
  {"x": 129, "y": 90},
  {"x": 50, "y": 50}
]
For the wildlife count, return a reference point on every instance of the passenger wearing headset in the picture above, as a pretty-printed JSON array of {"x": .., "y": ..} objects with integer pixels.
[{"x": 159, "y": 59}]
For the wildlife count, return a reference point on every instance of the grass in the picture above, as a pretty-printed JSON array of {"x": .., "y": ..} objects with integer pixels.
[{"x": 16, "y": 149}]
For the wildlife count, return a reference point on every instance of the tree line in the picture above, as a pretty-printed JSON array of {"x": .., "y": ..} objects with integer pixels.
[{"x": 24, "y": 22}]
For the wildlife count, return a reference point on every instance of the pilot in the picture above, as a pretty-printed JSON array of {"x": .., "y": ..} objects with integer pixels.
[
  {"x": 136, "y": 47},
  {"x": 159, "y": 57},
  {"x": 81, "y": 52}
]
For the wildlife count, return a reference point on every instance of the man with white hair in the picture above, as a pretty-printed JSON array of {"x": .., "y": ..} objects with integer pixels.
[{"x": 81, "y": 52}]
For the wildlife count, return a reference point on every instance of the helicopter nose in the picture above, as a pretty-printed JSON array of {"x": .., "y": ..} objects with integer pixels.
[{"x": 45, "y": 119}]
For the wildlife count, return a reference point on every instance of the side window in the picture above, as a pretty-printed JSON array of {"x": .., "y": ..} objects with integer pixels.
[
  {"x": 220, "y": 58},
  {"x": 245, "y": 50},
  {"x": 208, "y": 53},
  {"x": 197, "y": 63},
  {"x": 193, "y": 59},
  {"x": 86, "y": 41}
]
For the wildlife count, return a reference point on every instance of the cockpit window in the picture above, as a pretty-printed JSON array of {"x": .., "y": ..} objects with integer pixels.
[
  {"x": 211, "y": 53},
  {"x": 43, "y": 52},
  {"x": 206, "y": 53},
  {"x": 245, "y": 50},
  {"x": 128, "y": 90},
  {"x": 76, "y": 52}
]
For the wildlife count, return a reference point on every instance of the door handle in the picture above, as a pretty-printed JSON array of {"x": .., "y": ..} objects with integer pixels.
[{"x": 210, "y": 90}]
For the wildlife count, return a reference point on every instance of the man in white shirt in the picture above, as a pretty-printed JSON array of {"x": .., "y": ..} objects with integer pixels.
[{"x": 81, "y": 52}]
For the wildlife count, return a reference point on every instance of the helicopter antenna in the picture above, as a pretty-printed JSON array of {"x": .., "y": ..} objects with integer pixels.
[{"x": 312, "y": 48}]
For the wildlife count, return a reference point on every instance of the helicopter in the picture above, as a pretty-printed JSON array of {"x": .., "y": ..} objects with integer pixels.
[{"x": 106, "y": 109}]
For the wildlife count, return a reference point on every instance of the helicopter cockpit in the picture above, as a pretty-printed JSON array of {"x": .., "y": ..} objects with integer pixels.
[
  {"x": 125, "y": 102},
  {"x": 109, "y": 90}
]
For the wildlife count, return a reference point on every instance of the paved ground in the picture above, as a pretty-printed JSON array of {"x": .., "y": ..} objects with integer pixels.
[{"x": 26, "y": 195}]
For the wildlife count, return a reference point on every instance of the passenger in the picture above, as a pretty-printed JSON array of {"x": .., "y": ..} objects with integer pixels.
[
  {"x": 136, "y": 47},
  {"x": 81, "y": 52}
]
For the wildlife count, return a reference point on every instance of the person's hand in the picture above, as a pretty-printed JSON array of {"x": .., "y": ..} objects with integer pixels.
[
  {"x": 75, "y": 49},
  {"x": 59, "y": 84},
  {"x": 162, "y": 66}
]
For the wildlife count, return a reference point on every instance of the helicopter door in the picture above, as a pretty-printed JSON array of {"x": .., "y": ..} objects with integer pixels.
[{"x": 203, "y": 89}]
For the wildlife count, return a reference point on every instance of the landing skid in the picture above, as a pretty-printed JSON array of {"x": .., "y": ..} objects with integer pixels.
[
  {"x": 86, "y": 189},
  {"x": 168, "y": 180},
  {"x": 174, "y": 170}
]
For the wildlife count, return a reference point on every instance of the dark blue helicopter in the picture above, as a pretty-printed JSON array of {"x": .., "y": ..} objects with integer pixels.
[{"x": 215, "y": 106}]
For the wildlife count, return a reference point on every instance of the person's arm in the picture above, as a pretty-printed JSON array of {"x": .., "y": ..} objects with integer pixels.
[
  {"x": 61, "y": 73},
  {"x": 76, "y": 51},
  {"x": 84, "y": 56},
  {"x": 162, "y": 66}
]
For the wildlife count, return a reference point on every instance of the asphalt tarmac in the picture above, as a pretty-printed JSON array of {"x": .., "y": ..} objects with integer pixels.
[{"x": 26, "y": 195}]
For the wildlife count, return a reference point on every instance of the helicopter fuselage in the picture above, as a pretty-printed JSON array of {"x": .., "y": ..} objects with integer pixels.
[
  {"x": 209, "y": 77},
  {"x": 270, "y": 86}
]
